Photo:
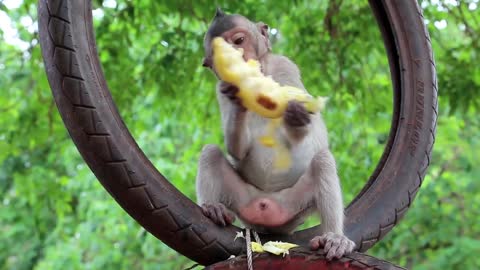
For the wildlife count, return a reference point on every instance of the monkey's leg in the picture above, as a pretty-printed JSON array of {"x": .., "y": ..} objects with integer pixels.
[
  {"x": 220, "y": 190},
  {"x": 214, "y": 192},
  {"x": 319, "y": 186},
  {"x": 220, "y": 187},
  {"x": 328, "y": 199}
]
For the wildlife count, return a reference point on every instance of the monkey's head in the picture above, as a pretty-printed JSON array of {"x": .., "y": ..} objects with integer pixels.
[{"x": 240, "y": 32}]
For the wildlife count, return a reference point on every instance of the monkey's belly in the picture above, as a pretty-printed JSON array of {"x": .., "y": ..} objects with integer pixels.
[
  {"x": 258, "y": 171},
  {"x": 269, "y": 181}
]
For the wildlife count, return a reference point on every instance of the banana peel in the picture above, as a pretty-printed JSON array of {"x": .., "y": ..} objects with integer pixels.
[{"x": 274, "y": 247}]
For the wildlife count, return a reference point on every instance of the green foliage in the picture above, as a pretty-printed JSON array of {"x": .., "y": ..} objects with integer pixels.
[{"x": 54, "y": 213}]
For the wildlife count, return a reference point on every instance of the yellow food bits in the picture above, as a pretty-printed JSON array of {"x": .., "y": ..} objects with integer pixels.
[
  {"x": 259, "y": 93},
  {"x": 274, "y": 247}
]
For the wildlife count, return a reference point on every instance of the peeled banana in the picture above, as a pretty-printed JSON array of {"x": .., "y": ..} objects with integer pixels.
[
  {"x": 258, "y": 93},
  {"x": 261, "y": 94},
  {"x": 274, "y": 247}
]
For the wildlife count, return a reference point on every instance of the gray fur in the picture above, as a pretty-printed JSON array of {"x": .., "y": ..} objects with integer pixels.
[{"x": 311, "y": 184}]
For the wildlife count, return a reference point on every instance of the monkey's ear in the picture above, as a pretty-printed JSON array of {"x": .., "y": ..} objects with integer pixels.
[
  {"x": 219, "y": 13},
  {"x": 263, "y": 28}
]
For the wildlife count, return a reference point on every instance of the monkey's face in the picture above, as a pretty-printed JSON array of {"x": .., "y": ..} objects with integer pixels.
[
  {"x": 242, "y": 38},
  {"x": 243, "y": 35}
]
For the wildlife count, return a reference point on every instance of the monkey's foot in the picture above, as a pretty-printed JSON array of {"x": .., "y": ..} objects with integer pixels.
[
  {"x": 218, "y": 213},
  {"x": 334, "y": 245},
  {"x": 265, "y": 212}
]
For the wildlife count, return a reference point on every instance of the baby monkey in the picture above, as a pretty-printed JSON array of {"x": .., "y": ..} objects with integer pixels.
[{"x": 244, "y": 183}]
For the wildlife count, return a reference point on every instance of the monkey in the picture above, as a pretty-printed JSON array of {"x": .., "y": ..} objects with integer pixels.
[{"x": 243, "y": 183}]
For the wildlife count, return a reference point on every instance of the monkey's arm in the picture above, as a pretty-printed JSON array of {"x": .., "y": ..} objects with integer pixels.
[
  {"x": 297, "y": 118},
  {"x": 328, "y": 195},
  {"x": 234, "y": 123},
  {"x": 328, "y": 199}
]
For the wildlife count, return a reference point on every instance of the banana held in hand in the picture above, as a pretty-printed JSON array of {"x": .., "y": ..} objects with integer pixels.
[{"x": 258, "y": 93}]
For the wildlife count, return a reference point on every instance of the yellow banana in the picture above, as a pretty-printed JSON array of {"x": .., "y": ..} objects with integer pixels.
[
  {"x": 258, "y": 93},
  {"x": 261, "y": 94},
  {"x": 274, "y": 247}
]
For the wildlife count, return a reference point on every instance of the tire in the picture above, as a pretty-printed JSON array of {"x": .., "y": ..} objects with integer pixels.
[
  {"x": 85, "y": 104},
  {"x": 304, "y": 259}
]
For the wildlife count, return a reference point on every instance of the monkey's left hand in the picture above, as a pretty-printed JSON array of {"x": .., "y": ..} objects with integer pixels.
[
  {"x": 296, "y": 115},
  {"x": 334, "y": 245}
]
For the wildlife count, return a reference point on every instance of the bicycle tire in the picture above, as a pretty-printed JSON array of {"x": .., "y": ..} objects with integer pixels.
[{"x": 81, "y": 94}]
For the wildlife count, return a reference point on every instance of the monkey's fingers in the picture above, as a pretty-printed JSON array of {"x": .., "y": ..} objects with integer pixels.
[
  {"x": 226, "y": 215},
  {"x": 205, "y": 210},
  {"x": 230, "y": 91},
  {"x": 229, "y": 217},
  {"x": 317, "y": 242},
  {"x": 334, "y": 245},
  {"x": 349, "y": 245},
  {"x": 209, "y": 210},
  {"x": 218, "y": 213},
  {"x": 296, "y": 115},
  {"x": 335, "y": 251},
  {"x": 340, "y": 248},
  {"x": 325, "y": 240},
  {"x": 330, "y": 242}
]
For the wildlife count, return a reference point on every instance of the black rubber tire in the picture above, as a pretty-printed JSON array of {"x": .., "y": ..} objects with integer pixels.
[
  {"x": 304, "y": 259},
  {"x": 83, "y": 99}
]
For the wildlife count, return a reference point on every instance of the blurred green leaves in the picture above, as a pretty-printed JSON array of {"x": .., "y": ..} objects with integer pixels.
[{"x": 54, "y": 213}]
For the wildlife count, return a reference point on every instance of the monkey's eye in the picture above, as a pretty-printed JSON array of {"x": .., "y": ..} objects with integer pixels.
[{"x": 239, "y": 40}]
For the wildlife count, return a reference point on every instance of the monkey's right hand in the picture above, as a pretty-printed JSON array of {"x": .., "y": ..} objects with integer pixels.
[
  {"x": 218, "y": 213},
  {"x": 230, "y": 91},
  {"x": 296, "y": 115}
]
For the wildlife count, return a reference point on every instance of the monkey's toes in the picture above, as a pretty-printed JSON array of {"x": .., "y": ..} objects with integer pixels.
[
  {"x": 296, "y": 115},
  {"x": 334, "y": 245},
  {"x": 316, "y": 243},
  {"x": 218, "y": 213}
]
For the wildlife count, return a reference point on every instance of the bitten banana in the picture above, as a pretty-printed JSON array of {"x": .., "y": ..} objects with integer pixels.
[
  {"x": 262, "y": 95},
  {"x": 258, "y": 93},
  {"x": 274, "y": 247}
]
